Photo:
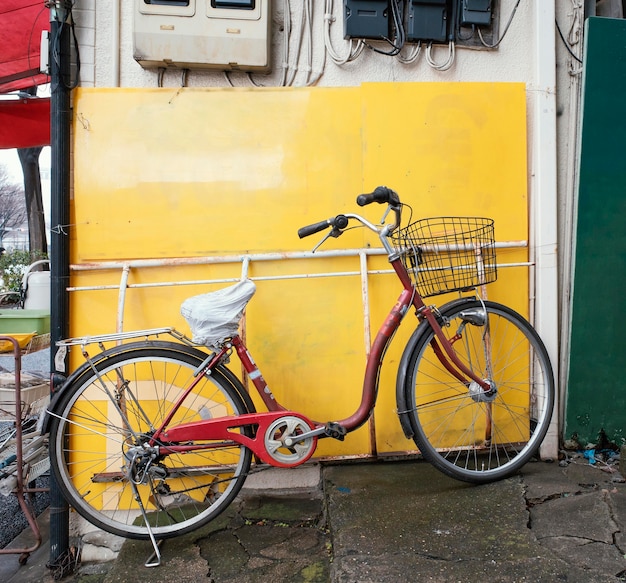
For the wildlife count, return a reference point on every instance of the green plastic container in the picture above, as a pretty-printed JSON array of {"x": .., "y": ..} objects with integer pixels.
[{"x": 24, "y": 321}]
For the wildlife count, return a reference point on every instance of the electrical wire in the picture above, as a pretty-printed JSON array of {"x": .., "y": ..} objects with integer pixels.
[
  {"x": 575, "y": 31},
  {"x": 228, "y": 79},
  {"x": 506, "y": 29},
  {"x": 286, "y": 35},
  {"x": 294, "y": 60},
  {"x": 565, "y": 43},
  {"x": 184, "y": 76},
  {"x": 316, "y": 75},
  {"x": 308, "y": 29},
  {"x": 412, "y": 55},
  {"x": 302, "y": 59},
  {"x": 397, "y": 43},
  {"x": 312, "y": 77},
  {"x": 253, "y": 81},
  {"x": 56, "y": 41},
  {"x": 445, "y": 65},
  {"x": 299, "y": 46},
  {"x": 354, "y": 49}
]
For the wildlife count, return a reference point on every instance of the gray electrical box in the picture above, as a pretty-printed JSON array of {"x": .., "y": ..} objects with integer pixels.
[
  {"x": 196, "y": 34},
  {"x": 428, "y": 20},
  {"x": 366, "y": 19},
  {"x": 475, "y": 12}
]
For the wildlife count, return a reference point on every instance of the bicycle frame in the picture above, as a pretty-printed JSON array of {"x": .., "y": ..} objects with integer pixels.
[
  {"x": 252, "y": 430},
  {"x": 226, "y": 428}
]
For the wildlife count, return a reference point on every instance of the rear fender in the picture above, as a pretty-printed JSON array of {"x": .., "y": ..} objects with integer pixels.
[{"x": 86, "y": 368}]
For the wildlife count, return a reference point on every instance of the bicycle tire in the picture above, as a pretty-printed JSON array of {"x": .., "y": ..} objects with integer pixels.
[
  {"x": 89, "y": 442},
  {"x": 465, "y": 433}
]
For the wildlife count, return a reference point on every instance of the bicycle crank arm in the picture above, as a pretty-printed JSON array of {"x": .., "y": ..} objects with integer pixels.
[
  {"x": 289, "y": 441},
  {"x": 279, "y": 438}
]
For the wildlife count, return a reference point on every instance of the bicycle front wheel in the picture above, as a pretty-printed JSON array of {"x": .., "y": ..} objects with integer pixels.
[
  {"x": 106, "y": 417},
  {"x": 466, "y": 432}
]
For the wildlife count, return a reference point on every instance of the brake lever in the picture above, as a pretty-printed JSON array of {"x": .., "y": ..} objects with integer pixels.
[
  {"x": 382, "y": 221},
  {"x": 397, "y": 210},
  {"x": 334, "y": 232}
]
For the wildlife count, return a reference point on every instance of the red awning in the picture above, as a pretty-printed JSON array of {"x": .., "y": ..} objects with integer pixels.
[
  {"x": 24, "y": 123},
  {"x": 21, "y": 23}
]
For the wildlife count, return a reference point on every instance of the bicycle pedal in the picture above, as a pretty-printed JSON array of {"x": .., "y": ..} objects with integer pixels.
[{"x": 335, "y": 431}]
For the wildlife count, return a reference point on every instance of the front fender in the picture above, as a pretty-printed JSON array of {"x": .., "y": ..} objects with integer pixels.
[{"x": 404, "y": 381}]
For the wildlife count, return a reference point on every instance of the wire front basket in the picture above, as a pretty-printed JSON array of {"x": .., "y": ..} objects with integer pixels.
[{"x": 445, "y": 254}]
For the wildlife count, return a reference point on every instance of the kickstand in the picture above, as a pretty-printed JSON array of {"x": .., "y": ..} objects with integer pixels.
[{"x": 154, "y": 560}]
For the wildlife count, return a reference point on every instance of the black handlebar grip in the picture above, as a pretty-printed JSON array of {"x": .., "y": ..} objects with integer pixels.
[
  {"x": 381, "y": 195},
  {"x": 312, "y": 229},
  {"x": 339, "y": 222}
]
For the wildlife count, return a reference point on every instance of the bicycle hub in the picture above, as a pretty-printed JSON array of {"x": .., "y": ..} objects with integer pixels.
[{"x": 480, "y": 395}]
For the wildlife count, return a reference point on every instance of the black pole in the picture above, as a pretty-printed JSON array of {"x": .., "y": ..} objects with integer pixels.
[{"x": 59, "y": 241}]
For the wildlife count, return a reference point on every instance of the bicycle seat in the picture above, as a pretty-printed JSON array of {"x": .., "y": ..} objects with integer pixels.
[{"x": 214, "y": 317}]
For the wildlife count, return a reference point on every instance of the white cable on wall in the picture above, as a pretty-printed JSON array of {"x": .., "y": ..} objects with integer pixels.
[
  {"x": 355, "y": 48},
  {"x": 412, "y": 55},
  {"x": 286, "y": 35},
  {"x": 316, "y": 75},
  {"x": 569, "y": 197},
  {"x": 447, "y": 63}
]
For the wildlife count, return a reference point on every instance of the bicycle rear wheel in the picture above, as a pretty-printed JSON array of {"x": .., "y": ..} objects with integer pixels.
[
  {"x": 466, "y": 433},
  {"x": 110, "y": 411}
]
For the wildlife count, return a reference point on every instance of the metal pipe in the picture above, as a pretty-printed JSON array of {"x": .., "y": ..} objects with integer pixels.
[
  {"x": 219, "y": 259},
  {"x": 122, "y": 297},
  {"x": 569, "y": 196},
  {"x": 59, "y": 241},
  {"x": 115, "y": 45},
  {"x": 544, "y": 200}
]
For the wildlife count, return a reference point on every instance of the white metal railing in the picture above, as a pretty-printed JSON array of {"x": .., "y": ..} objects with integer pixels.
[{"x": 245, "y": 259}]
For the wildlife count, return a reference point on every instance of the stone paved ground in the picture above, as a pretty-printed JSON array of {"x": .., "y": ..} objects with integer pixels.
[{"x": 398, "y": 521}]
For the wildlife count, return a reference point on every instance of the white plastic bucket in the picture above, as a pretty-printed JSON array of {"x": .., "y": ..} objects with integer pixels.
[{"x": 37, "y": 287}]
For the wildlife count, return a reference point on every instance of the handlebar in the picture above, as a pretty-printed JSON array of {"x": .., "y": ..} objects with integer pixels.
[
  {"x": 381, "y": 195},
  {"x": 338, "y": 222}
]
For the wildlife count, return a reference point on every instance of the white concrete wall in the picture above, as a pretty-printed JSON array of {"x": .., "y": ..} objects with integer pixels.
[{"x": 512, "y": 61}]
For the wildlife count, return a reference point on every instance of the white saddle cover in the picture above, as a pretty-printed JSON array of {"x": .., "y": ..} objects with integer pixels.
[{"x": 215, "y": 316}]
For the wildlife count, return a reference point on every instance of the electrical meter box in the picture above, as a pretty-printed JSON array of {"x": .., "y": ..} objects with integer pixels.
[
  {"x": 366, "y": 19},
  {"x": 476, "y": 12},
  {"x": 198, "y": 34},
  {"x": 428, "y": 20}
]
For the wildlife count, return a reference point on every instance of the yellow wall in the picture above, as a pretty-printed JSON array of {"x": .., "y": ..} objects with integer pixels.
[{"x": 161, "y": 173}]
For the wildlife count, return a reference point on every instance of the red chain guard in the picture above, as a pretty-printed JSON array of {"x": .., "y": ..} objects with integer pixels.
[{"x": 177, "y": 438}]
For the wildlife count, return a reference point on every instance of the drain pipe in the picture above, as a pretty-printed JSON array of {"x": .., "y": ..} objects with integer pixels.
[
  {"x": 115, "y": 49},
  {"x": 544, "y": 200},
  {"x": 59, "y": 240}
]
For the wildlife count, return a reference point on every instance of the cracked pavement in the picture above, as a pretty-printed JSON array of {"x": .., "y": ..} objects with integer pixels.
[
  {"x": 550, "y": 523},
  {"x": 400, "y": 521}
]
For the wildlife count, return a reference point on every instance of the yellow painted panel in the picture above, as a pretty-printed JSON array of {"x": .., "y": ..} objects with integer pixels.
[
  {"x": 199, "y": 172},
  {"x": 161, "y": 173}
]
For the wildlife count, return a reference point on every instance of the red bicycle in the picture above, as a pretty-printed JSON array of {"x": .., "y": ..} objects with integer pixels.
[{"x": 154, "y": 438}]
